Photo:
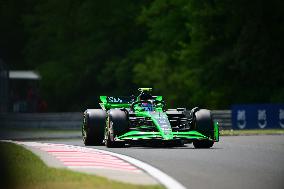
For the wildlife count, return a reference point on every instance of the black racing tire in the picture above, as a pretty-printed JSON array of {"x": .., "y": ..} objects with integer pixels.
[
  {"x": 93, "y": 127},
  {"x": 203, "y": 144},
  {"x": 118, "y": 124},
  {"x": 204, "y": 124}
]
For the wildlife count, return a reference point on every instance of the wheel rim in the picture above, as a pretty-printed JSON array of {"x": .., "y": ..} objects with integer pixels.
[
  {"x": 84, "y": 127},
  {"x": 84, "y": 134},
  {"x": 108, "y": 141}
]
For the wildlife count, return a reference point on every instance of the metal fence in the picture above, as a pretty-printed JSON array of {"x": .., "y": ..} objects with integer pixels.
[
  {"x": 224, "y": 118},
  {"x": 69, "y": 120},
  {"x": 73, "y": 120}
]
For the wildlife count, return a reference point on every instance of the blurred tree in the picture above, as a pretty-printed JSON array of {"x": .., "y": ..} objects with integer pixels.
[
  {"x": 79, "y": 47},
  {"x": 209, "y": 53},
  {"x": 218, "y": 52},
  {"x": 12, "y": 37}
]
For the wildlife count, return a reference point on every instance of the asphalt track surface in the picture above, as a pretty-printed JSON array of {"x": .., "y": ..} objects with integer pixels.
[{"x": 234, "y": 162}]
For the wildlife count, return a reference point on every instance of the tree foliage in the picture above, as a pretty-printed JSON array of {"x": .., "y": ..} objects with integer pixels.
[{"x": 209, "y": 53}]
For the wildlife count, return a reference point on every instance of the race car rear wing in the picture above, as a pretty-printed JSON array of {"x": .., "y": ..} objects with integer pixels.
[{"x": 109, "y": 102}]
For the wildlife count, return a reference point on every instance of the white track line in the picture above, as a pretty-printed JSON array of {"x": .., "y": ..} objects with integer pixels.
[{"x": 160, "y": 176}]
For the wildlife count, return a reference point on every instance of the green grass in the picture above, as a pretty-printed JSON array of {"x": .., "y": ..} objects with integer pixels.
[
  {"x": 252, "y": 132},
  {"x": 21, "y": 169}
]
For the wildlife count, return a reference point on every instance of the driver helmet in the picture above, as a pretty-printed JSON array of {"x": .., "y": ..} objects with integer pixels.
[{"x": 146, "y": 96}]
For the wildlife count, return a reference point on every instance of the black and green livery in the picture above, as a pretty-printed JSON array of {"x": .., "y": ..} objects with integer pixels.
[{"x": 144, "y": 120}]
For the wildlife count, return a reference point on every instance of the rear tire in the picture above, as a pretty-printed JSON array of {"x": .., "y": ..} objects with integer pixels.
[
  {"x": 203, "y": 144},
  {"x": 204, "y": 124},
  {"x": 93, "y": 127},
  {"x": 118, "y": 124}
]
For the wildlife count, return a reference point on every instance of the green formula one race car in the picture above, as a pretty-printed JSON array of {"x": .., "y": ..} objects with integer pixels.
[{"x": 143, "y": 120}]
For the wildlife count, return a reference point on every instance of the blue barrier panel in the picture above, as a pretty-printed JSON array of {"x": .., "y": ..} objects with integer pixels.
[{"x": 258, "y": 116}]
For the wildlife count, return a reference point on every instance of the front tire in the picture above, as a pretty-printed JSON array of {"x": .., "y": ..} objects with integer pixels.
[
  {"x": 118, "y": 124},
  {"x": 93, "y": 127}
]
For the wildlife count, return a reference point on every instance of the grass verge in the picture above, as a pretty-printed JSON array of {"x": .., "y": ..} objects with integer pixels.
[
  {"x": 20, "y": 168},
  {"x": 252, "y": 132}
]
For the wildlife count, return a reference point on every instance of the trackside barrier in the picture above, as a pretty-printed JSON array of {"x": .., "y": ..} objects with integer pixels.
[
  {"x": 69, "y": 120},
  {"x": 258, "y": 116},
  {"x": 73, "y": 120},
  {"x": 224, "y": 118}
]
